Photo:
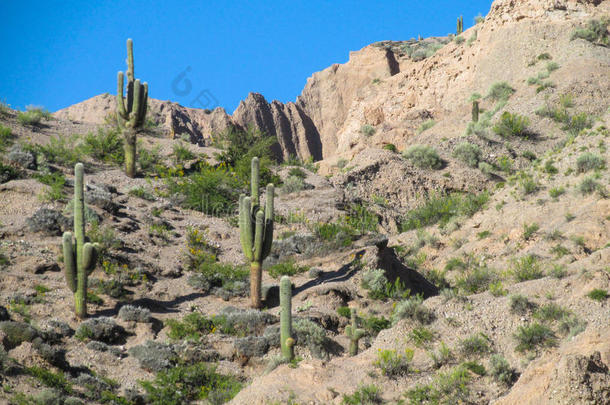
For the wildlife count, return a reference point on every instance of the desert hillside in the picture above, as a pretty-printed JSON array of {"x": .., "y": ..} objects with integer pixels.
[{"x": 441, "y": 208}]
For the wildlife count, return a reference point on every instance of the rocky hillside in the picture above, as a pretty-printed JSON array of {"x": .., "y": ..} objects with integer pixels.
[{"x": 472, "y": 248}]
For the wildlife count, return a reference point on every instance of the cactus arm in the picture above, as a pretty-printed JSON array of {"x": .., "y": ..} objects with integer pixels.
[
  {"x": 258, "y": 236},
  {"x": 269, "y": 202},
  {"x": 79, "y": 213},
  {"x": 133, "y": 115},
  {"x": 254, "y": 183},
  {"x": 246, "y": 232},
  {"x": 286, "y": 339},
  {"x": 475, "y": 111},
  {"x": 69, "y": 264},
  {"x": 268, "y": 237},
  {"x": 130, "y": 75},
  {"x": 353, "y": 333},
  {"x": 143, "y": 105},
  {"x": 120, "y": 101},
  {"x": 90, "y": 254}
]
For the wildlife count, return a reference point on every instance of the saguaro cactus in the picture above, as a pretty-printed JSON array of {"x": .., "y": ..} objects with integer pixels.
[
  {"x": 79, "y": 257},
  {"x": 475, "y": 111},
  {"x": 354, "y": 334},
  {"x": 460, "y": 25},
  {"x": 256, "y": 231},
  {"x": 286, "y": 339},
  {"x": 130, "y": 117}
]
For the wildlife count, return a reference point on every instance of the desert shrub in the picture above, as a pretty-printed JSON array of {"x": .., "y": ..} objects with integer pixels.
[
  {"x": 7, "y": 173},
  {"x": 6, "y": 137},
  {"x": 595, "y": 32},
  {"x": 552, "y": 66},
  {"x": 448, "y": 387},
  {"x": 459, "y": 39},
  {"x": 501, "y": 370},
  {"x": 468, "y": 153},
  {"x": 442, "y": 208},
  {"x": 476, "y": 280},
  {"x": 380, "y": 288},
  {"x": 345, "y": 312},
  {"x": 137, "y": 314},
  {"x": 367, "y": 130},
  {"x": 33, "y": 116},
  {"x": 143, "y": 193},
  {"x": 421, "y": 336},
  {"x": 56, "y": 182},
  {"x": 532, "y": 336},
  {"x": 192, "y": 326},
  {"x": 589, "y": 161},
  {"x": 65, "y": 151},
  {"x": 150, "y": 160},
  {"x": 549, "y": 167},
  {"x": 373, "y": 325},
  {"x": 512, "y": 125},
  {"x": 530, "y": 230},
  {"x": 424, "y": 157},
  {"x": 555, "y": 192},
  {"x": 293, "y": 184},
  {"x": 412, "y": 308},
  {"x": 571, "y": 325},
  {"x": 287, "y": 268},
  {"x": 474, "y": 366},
  {"x": 551, "y": 312},
  {"x": 181, "y": 153},
  {"x": 311, "y": 335},
  {"x": 106, "y": 145},
  {"x": 475, "y": 345},
  {"x": 391, "y": 147},
  {"x": 500, "y": 91},
  {"x": 365, "y": 395},
  {"x": 50, "y": 379},
  {"x": 527, "y": 184},
  {"x": 589, "y": 185},
  {"x": 426, "y": 125},
  {"x": 526, "y": 268},
  {"x": 183, "y": 384},
  {"x": 598, "y": 294},
  {"x": 521, "y": 305},
  {"x": 336, "y": 233},
  {"x": 442, "y": 356},
  {"x": 393, "y": 364},
  {"x": 297, "y": 172}
]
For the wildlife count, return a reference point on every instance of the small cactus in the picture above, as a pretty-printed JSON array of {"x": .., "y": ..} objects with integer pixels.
[
  {"x": 130, "y": 117},
  {"x": 79, "y": 257},
  {"x": 475, "y": 111},
  {"x": 256, "y": 231},
  {"x": 286, "y": 339},
  {"x": 460, "y": 25},
  {"x": 354, "y": 334}
]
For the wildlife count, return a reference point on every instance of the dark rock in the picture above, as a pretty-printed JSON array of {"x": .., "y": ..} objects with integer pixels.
[
  {"x": 46, "y": 266},
  {"x": 4, "y": 316},
  {"x": 49, "y": 221}
]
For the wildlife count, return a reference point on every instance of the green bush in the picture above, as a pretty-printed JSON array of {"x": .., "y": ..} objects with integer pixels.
[
  {"x": 367, "y": 130},
  {"x": 551, "y": 312},
  {"x": 589, "y": 185},
  {"x": 476, "y": 280},
  {"x": 500, "y": 91},
  {"x": 530, "y": 230},
  {"x": 380, "y": 288},
  {"x": 365, "y": 395},
  {"x": 391, "y": 147},
  {"x": 338, "y": 234},
  {"x": 393, "y": 364},
  {"x": 555, "y": 192},
  {"x": 512, "y": 125},
  {"x": 181, "y": 153},
  {"x": 65, "y": 151},
  {"x": 501, "y": 370},
  {"x": 183, "y": 384},
  {"x": 526, "y": 268},
  {"x": 532, "y": 336},
  {"x": 475, "y": 345},
  {"x": 440, "y": 209},
  {"x": 412, "y": 308},
  {"x": 56, "y": 182},
  {"x": 595, "y": 32},
  {"x": 150, "y": 160},
  {"x": 424, "y": 157},
  {"x": 589, "y": 161},
  {"x": 192, "y": 327},
  {"x": 106, "y": 146},
  {"x": 33, "y": 116},
  {"x": 293, "y": 184},
  {"x": 345, "y": 312},
  {"x": 297, "y": 172},
  {"x": 8, "y": 173},
  {"x": 598, "y": 294},
  {"x": 421, "y": 336},
  {"x": 373, "y": 325},
  {"x": 287, "y": 268},
  {"x": 426, "y": 125},
  {"x": 468, "y": 153},
  {"x": 446, "y": 388},
  {"x": 6, "y": 137}
]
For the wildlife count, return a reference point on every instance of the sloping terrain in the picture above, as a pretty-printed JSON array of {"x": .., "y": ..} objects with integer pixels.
[{"x": 477, "y": 259}]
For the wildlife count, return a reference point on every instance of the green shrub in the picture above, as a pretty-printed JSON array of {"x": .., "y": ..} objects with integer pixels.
[
  {"x": 192, "y": 326},
  {"x": 486, "y": 168},
  {"x": 65, "y": 151},
  {"x": 421, "y": 336},
  {"x": 589, "y": 161},
  {"x": 183, "y": 384},
  {"x": 475, "y": 345},
  {"x": 476, "y": 280},
  {"x": 33, "y": 116},
  {"x": 181, "y": 153},
  {"x": 521, "y": 305},
  {"x": 393, "y": 364},
  {"x": 530, "y": 230},
  {"x": 598, "y": 294},
  {"x": 8, "y": 173},
  {"x": 412, "y": 308},
  {"x": 380, "y": 288},
  {"x": 391, "y": 147},
  {"x": 555, "y": 192},
  {"x": 440, "y": 209},
  {"x": 458, "y": 39},
  {"x": 551, "y": 312},
  {"x": 532, "y": 336},
  {"x": 475, "y": 367},
  {"x": 589, "y": 185},
  {"x": 550, "y": 168},
  {"x": 297, "y": 172},
  {"x": 367, "y": 130},
  {"x": 6, "y": 137},
  {"x": 512, "y": 125},
  {"x": 106, "y": 146},
  {"x": 441, "y": 357},
  {"x": 338, "y": 234},
  {"x": 365, "y": 395},
  {"x": 292, "y": 184},
  {"x": 468, "y": 153},
  {"x": 552, "y": 66},
  {"x": 595, "y": 32},
  {"x": 501, "y": 370},
  {"x": 143, "y": 193},
  {"x": 424, "y": 157},
  {"x": 426, "y": 125},
  {"x": 287, "y": 268},
  {"x": 345, "y": 312},
  {"x": 500, "y": 91},
  {"x": 373, "y": 325},
  {"x": 150, "y": 160},
  {"x": 50, "y": 379},
  {"x": 447, "y": 388},
  {"x": 526, "y": 268},
  {"x": 571, "y": 325}
]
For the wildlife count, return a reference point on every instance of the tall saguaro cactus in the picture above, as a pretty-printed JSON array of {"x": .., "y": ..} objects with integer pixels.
[
  {"x": 286, "y": 339},
  {"x": 130, "y": 116},
  {"x": 354, "y": 334},
  {"x": 79, "y": 257},
  {"x": 475, "y": 111},
  {"x": 460, "y": 25},
  {"x": 256, "y": 231}
]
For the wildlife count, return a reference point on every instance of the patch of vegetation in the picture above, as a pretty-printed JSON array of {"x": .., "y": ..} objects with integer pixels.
[
  {"x": 193, "y": 326},
  {"x": 500, "y": 91},
  {"x": 512, "y": 125},
  {"x": 589, "y": 185},
  {"x": 56, "y": 182},
  {"x": 412, "y": 308},
  {"x": 556, "y": 192},
  {"x": 365, "y": 395},
  {"x": 380, "y": 288},
  {"x": 595, "y": 32},
  {"x": 143, "y": 193},
  {"x": 373, "y": 325},
  {"x": 50, "y": 379},
  {"x": 426, "y": 125},
  {"x": 421, "y": 336},
  {"x": 551, "y": 312},
  {"x": 287, "y": 268},
  {"x": 449, "y": 387},
  {"x": 526, "y": 268},
  {"x": 589, "y": 161},
  {"x": 532, "y": 336},
  {"x": 293, "y": 184},
  {"x": 442, "y": 356},
  {"x": 598, "y": 294},
  {"x": 150, "y": 160},
  {"x": 106, "y": 145},
  {"x": 181, "y": 153},
  {"x": 424, "y": 157},
  {"x": 468, "y": 153},
  {"x": 442, "y": 208},
  {"x": 393, "y": 364},
  {"x": 391, "y": 147},
  {"x": 476, "y": 280},
  {"x": 367, "y": 130},
  {"x": 64, "y": 151},
  {"x": 475, "y": 345},
  {"x": 33, "y": 116},
  {"x": 183, "y": 384},
  {"x": 501, "y": 371},
  {"x": 530, "y": 230},
  {"x": 521, "y": 305},
  {"x": 6, "y": 137}
]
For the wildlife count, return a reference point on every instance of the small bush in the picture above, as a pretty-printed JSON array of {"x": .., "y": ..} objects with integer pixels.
[
  {"x": 530, "y": 230},
  {"x": 571, "y": 325},
  {"x": 595, "y": 32},
  {"x": 393, "y": 364},
  {"x": 521, "y": 305},
  {"x": 426, "y": 125},
  {"x": 412, "y": 308},
  {"x": 552, "y": 66},
  {"x": 150, "y": 160},
  {"x": 6, "y": 137},
  {"x": 380, "y": 288},
  {"x": 367, "y": 130},
  {"x": 459, "y": 40},
  {"x": 589, "y": 185},
  {"x": 532, "y": 336},
  {"x": 345, "y": 312},
  {"x": 366, "y": 395},
  {"x": 526, "y": 268},
  {"x": 468, "y": 153},
  {"x": 287, "y": 268},
  {"x": 143, "y": 193},
  {"x": 65, "y": 151},
  {"x": 598, "y": 294},
  {"x": 391, "y": 147},
  {"x": 501, "y": 370},
  {"x": 512, "y": 125},
  {"x": 551, "y": 312},
  {"x": 374, "y": 325},
  {"x": 500, "y": 91},
  {"x": 555, "y": 192},
  {"x": 424, "y": 157},
  {"x": 447, "y": 388},
  {"x": 486, "y": 168},
  {"x": 33, "y": 116},
  {"x": 476, "y": 280},
  {"x": 421, "y": 336},
  {"x": 589, "y": 161},
  {"x": 297, "y": 172},
  {"x": 293, "y": 184},
  {"x": 475, "y": 345},
  {"x": 181, "y": 153},
  {"x": 56, "y": 182},
  {"x": 442, "y": 356},
  {"x": 106, "y": 146}
]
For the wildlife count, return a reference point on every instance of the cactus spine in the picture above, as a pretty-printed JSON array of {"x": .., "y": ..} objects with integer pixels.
[
  {"x": 79, "y": 257},
  {"x": 130, "y": 117},
  {"x": 475, "y": 111},
  {"x": 460, "y": 25},
  {"x": 354, "y": 334},
  {"x": 286, "y": 339},
  {"x": 256, "y": 231}
]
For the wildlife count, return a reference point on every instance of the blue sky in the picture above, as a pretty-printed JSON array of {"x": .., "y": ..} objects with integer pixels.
[{"x": 57, "y": 53}]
